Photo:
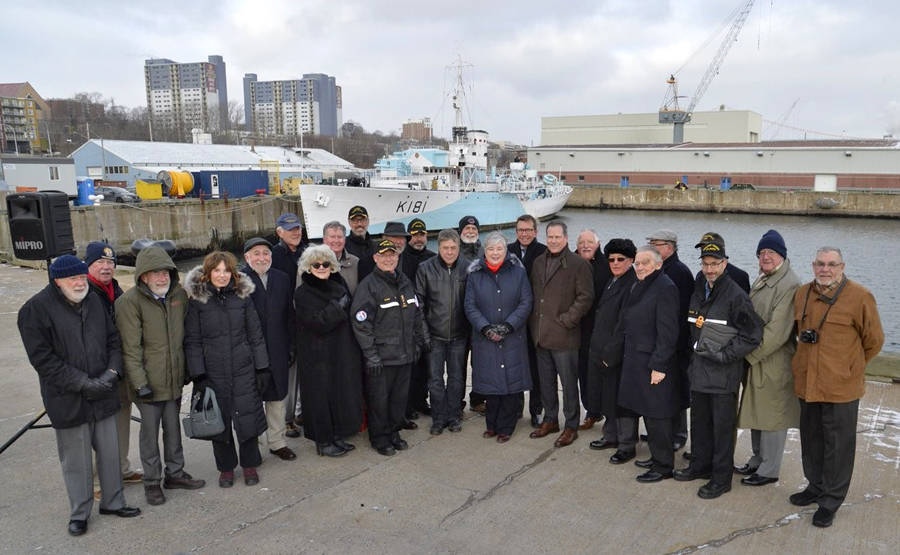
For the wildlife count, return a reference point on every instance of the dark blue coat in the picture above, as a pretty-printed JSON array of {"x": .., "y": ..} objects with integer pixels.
[
  {"x": 499, "y": 368},
  {"x": 274, "y": 305},
  {"x": 649, "y": 326}
]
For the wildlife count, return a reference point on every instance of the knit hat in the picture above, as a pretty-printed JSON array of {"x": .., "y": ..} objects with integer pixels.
[
  {"x": 772, "y": 240},
  {"x": 625, "y": 247},
  {"x": 467, "y": 220},
  {"x": 97, "y": 250},
  {"x": 67, "y": 265}
]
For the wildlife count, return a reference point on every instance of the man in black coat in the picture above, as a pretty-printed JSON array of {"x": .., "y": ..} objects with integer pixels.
[
  {"x": 527, "y": 248},
  {"x": 396, "y": 233},
  {"x": 726, "y": 329},
  {"x": 101, "y": 261},
  {"x": 286, "y": 254},
  {"x": 666, "y": 242},
  {"x": 417, "y": 249},
  {"x": 620, "y": 430},
  {"x": 739, "y": 276},
  {"x": 359, "y": 243},
  {"x": 75, "y": 348},
  {"x": 588, "y": 247},
  {"x": 273, "y": 299},
  {"x": 391, "y": 333}
]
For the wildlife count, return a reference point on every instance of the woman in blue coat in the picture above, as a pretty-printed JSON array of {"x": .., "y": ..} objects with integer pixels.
[{"x": 498, "y": 302}]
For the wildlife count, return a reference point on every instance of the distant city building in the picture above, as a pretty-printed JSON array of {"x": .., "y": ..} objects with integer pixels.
[
  {"x": 185, "y": 96},
  {"x": 288, "y": 108},
  {"x": 731, "y": 126},
  {"x": 75, "y": 111},
  {"x": 417, "y": 130},
  {"x": 21, "y": 111}
]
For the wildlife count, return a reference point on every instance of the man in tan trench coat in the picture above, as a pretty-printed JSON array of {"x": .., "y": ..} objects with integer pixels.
[{"x": 769, "y": 405}]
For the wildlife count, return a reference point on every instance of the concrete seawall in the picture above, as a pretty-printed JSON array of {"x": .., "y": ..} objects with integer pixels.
[{"x": 800, "y": 203}]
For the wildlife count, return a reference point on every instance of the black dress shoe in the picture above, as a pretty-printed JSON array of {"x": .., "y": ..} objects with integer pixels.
[
  {"x": 329, "y": 450},
  {"x": 686, "y": 475},
  {"x": 536, "y": 421},
  {"x": 650, "y": 476},
  {"x": 436, "y": 429},
  {"x": 621, "y": 457},
  {"x": 284, "y": 454},
  {"x": 399, "y": 444},
  {"x": 646, "y": 463},
  {"x": 454, "y": 426},
  {"x": 409, "y": 425},
  {"x": 124, "y": 512},
  {"x": 757, "y": 480},
  {"x": 386, "y": 450},
  {"x": 804, "y": 498},
  {"x": 823, "y": 518},
  {"x": 601, "y": 444},
  {"x": 77, "y": 527},
  {"x": 644, "y": 437},
  {"x": 746, "y": 469},
  {"x": 344, "y": 445},
  {"x": 412, "y": 415},
  {"x": 711, "y": 490}
]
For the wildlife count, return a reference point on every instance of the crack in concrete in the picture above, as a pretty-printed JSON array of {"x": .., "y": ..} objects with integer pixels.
[
  {"x": 478, "y": 497},
  {"x": 781, "y": 522}
]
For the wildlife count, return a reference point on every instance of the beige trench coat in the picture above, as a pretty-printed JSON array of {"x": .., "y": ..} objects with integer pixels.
[{"x": 768, "y": 401}]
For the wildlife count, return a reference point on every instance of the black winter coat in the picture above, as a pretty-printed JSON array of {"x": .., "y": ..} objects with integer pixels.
[
  {"x": 606, "y": 319},
  {"x": 646, "y": 337},
  {"x": 740, "y": 277},
  {"x": 274, "y": 305},
  {"x": 331, "y": 373},
  {"x": 361, "y": 247},
  {"x": 730, "y": 305},
  {"x": 442, "y": 294},
  {"x": 110, "y": 307},
  {"x": 223, "y": 340},
  {"x": 407, "y": 265},
  {"x": 387, "y": 320},
  {"x": 66, "y": 347},
  {"x": 534, "y": 250},
  {"x": 681, "y": 276},
  {"x": 601, "y": 276},
  {"x": 286, "y": 261}
]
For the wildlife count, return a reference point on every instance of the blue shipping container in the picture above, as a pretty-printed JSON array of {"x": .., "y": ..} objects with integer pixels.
[{"x": 233, "y": 183}]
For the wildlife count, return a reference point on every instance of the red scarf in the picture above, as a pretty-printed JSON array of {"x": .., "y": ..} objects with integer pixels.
[
  {"x": 108, "y": 289},
  {"x": 491, "y": 267}
]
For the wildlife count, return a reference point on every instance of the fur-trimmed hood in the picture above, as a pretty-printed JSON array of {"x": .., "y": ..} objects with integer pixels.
[
  {"x": 479, "y": 263},
  {"x": 202, "y": 291}
]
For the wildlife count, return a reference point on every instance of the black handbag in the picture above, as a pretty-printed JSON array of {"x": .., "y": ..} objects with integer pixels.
[{"x": 205, "y": 418}]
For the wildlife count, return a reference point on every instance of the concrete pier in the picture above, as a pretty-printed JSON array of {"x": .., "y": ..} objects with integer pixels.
[{"x": 453, "y": 493}]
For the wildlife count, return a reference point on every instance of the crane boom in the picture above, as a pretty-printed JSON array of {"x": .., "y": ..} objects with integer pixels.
[{"x": 670, "y": 111}]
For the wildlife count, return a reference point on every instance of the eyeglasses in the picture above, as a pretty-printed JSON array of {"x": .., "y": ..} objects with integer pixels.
[
  {"x": 715, "y": 264},
  {"x": 819, "y": 264},
  {"x": 617, "y": 259},
  {"x": 524, "y": 230},
  {"x": 765, "y": 252},
  {"x": 659, "y": 243},
  {"x": 318, "y": 265}
]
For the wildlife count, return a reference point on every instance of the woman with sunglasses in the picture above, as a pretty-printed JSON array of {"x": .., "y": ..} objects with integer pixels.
[{"x": 331, "y": 363}]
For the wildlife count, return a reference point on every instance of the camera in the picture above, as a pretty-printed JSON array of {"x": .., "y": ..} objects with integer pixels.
[{"x": 809, "y": 336}]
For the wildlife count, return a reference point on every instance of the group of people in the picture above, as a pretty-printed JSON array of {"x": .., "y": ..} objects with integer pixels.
[{"x": 361, "y": 333}]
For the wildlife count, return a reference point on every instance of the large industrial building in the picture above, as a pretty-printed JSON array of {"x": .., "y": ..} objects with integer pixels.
[
  {"x": 184, "y": 96},
  {"x": 722, "y": 149},
  {"x": 289, "y": 108}
]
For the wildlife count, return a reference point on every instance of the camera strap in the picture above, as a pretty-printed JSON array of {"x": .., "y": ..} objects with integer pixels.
[{"x": 824, "y": 298}]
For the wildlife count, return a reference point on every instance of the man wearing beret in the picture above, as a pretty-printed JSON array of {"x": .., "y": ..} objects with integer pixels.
[
  {"x": 150, "y": 317},
  {"x": 101, "y": 262},
  {"x": 75, "y": 348}
]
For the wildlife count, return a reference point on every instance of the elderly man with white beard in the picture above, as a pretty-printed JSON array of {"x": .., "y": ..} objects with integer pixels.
[
  {"x": 150, "y": 317},
  {"x": 75, "y": 348}
]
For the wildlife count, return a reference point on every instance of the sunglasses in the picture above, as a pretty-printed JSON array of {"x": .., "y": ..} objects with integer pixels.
[
  {"x": 318, "y": 265},
  {"x": 617, "y": 259}
]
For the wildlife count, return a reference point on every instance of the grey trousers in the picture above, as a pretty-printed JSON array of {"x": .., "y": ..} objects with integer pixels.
[
  {"x": 154, "y": 415},
  {"x": 551, "y": 363},
  {"x": 75, "y": 446},
  {"x": 768, "y": 451},
  {"x": 624, "y": 431},
  {"x": 292, "y": 406},
  {"x": 123, "y": 428}
]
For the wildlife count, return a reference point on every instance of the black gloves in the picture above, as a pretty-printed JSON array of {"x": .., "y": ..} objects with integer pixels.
[
  {"x": 491, "y": 333},
  {"x": 504, "y": 328},
  {"x": 200, "y": 383},
  {"x": 110, "y": 377},
  {"x": 711, "y": 351},
  {"x": 145, "y": 393},
  {"x": 344, "y": 301},
  {"x": 263, "y": 379},
  {"x": 95, "y": 388},
  {"x": 374, "y": 369}
]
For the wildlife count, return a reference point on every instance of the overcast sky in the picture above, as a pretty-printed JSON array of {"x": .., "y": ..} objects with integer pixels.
[{"x": 531, "y": 58}]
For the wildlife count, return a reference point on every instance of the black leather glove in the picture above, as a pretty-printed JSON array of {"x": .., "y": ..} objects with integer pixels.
[
  {"x": 344, "y": 301},
  {"x": 95, "y": 388},
  {"x": 504, "y": 328},
  {"x": 200, "y": 383},
  {"x": 374, "y": 368},
  {"x": 145, "y": 393},
  {"x": 111, "y": 377},
  {"x": 491, "y": 333},
  {"x": 711, "y": 351},
  {"x": 263, "y": 379}
]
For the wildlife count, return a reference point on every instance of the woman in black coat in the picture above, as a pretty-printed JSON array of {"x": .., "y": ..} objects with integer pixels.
[
  {"x": 224, "y": 349},
  {"x": 649, "y": 335},
  {"x": 331, "y": 374}
]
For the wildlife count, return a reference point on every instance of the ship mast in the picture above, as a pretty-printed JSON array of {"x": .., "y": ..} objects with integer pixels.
[{"x": 459, "y": 128}]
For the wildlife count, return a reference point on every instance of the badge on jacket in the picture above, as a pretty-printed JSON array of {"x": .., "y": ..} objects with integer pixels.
[{"x": 361, "y": 316}]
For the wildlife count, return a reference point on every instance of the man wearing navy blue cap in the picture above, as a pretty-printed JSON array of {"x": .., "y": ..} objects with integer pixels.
[
  {"x": 75, "y": 348},
  {"x": 286, "y": 254}
]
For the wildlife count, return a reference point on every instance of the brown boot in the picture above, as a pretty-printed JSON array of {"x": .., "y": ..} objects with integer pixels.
[
  {"x": 588, "y": 423},
  {"x": 154, "y": 495},
  {"x": 546, "y": 429},
  {"x": 566, "y": 438}
]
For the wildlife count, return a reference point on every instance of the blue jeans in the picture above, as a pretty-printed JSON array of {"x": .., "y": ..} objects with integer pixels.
[{"x": 445, "y": 396}]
